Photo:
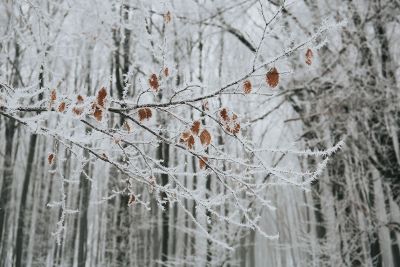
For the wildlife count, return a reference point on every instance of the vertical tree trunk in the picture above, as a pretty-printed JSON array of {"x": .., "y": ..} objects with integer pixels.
[
  {"x": 84, "y": 188},
  {"x": 24, "y": 196},
  {"x": 5, "y": 195},
  {"x": 25, "y": 186},
  {"x": 174, "y": 220},
  {"x": 5, "y": 192},
  {"x": 164, "y": 151},
  {"x": 84, "y": 192},
  {"x": 375, "y": 248},
  {"x": 121, "y": 72},
  {"x": 394, "y": 172}
]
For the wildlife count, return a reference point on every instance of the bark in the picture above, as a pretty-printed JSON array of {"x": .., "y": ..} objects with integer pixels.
[
  {"x": 24, "y": 197},
  {"x": 25, "y": 186},
  {"x": 5, "y": 191},
  {"x": 84, "y": 192},
  {"x": 84, "y": 188},
  {"x": 5, "y": 195},
  {"x": 164, "y": 151}
]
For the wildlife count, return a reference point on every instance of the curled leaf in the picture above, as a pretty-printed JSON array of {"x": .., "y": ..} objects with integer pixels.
[
  {"x": 230, "y": 123},
  {"x": 272, "y": 77},
  {"x": 77, "y": 110},
  {"x": 247, "y": 87},
  {"x": 166, "y": 72},
  {"x": 184, "y": 136},
  {"x": 167, "y": 17},
  {"x": 99, "y": 105},
  {"x": 98, "y": 113},
  {"x": 79, "y": 99},
  {"x": 132, "y": 200},
  {"x": 236, "y": 128},
  {"x": 309, "y": 56},
  {"x": 144, "y": 113},
  {"x": 101, "y": 97},
  {"x": 195, "y": 127},
  {"x": 223, "y": 113},
  {"x": 203, "y": 162},
  {"x": 153, "y": 82},
  {"x": 127, "y": 126},
  {"x": 53, "y": 95},
  {"x": 204, "y": 105},
  {"x": 190, "y": 142},
  {"x": 61, "y": 107},
  {"x": 205, "y": 137},
  {"x": 50, "y": 158},
  {"x": 187, "y": 139},
  {"x": 148, "y": 113}
]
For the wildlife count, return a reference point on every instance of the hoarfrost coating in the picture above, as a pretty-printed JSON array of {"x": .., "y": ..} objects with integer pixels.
[{"x": 199, "y": 133}]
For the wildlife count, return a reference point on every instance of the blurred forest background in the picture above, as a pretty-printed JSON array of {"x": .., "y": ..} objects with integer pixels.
[{"x": 60, "y": 206}]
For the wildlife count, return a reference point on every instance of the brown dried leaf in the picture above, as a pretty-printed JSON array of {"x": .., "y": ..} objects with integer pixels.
[
  {"x": 50, "y": 158},
  {"x": 79, "y": 99},
  {"x": 195, "y": 127},
  {"x": 153, "y": 81},
  {"x": 224, "y": 114},
  {"x": 166, "y": 72},
  {"x": 203, "y": 162},
  {"x": 167, "y": 17},
  {"x": 144, "y": 113},
  {"x": 205, "y": 137},
  {"x": 132, "y": 200},
  {"x": 77, "y": 110},
  {"x": 127, "y": 126},
  {"x": 53, "y": 95},
  {"x": 61, "y": 107},
  {"x": 272, "y": 77},
  {"x": 148, "y": 113},
  {"x": 234, "y": 116},
  {"x": 247, "y": 87},
  {"x": 309, "y": 56},
  {"x": 204, "y": 105},
  {"x": 184, "y": 136},
  {"x": 236, "y": 129},
  {"x": 98, "y": 113},
  {"x": 190, "y": 142},
  {"x": 101, "y": 97}
]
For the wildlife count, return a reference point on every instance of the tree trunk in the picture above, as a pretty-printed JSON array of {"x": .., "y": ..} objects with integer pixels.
[
  {"x": 5, "y": 192},
  {"x": 84, "y": 188},
  {"x": 5, "y": 195},
  {"x": 164, "y": 151},
  {"x": 24, "y": 196}
]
